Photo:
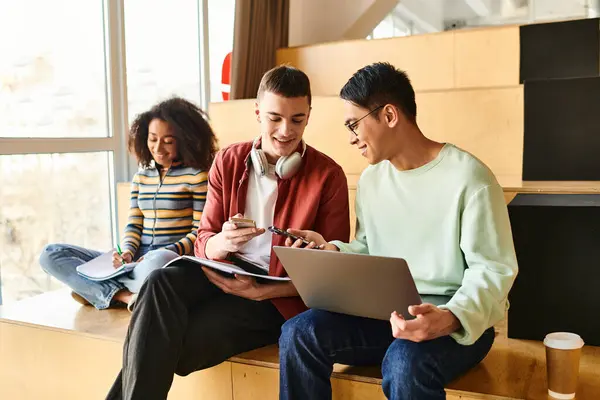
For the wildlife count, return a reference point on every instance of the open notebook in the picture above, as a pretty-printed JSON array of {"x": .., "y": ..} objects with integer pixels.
[
  {"x": 101, "y": 268},
  {"x": 231, "y": 269}
]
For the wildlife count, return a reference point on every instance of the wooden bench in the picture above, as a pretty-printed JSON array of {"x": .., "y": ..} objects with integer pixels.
[{"x": 53, "y": 348}]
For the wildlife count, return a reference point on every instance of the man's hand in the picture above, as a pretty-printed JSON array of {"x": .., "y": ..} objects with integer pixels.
[
  {"x": 316, "y": 240},
  {"x": 243, "y": 286},
  {"x": 247, "y": 287},
  {"x": 118, "y": 259},
  {"x": 430, "y": 323},
  {"x": 230, "y": 239}
]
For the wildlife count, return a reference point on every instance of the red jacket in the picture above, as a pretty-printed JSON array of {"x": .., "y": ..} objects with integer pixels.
[{"x": 315, "y": 198}]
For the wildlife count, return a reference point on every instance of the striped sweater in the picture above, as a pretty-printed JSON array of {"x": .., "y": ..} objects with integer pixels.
[{"x": 165, "y": 214}]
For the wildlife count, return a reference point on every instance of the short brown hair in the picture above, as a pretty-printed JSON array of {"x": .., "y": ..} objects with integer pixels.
[
  {"x": 285, "y": 81},
  {"x": 196, "y": 142}
]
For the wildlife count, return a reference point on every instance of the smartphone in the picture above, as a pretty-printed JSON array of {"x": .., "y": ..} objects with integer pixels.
[
  {"x": 278, "y": 231},
  {"x": 243, "y": 222}
]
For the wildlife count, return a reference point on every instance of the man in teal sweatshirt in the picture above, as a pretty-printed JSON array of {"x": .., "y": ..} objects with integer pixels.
[{"x": 439, "y": 208}]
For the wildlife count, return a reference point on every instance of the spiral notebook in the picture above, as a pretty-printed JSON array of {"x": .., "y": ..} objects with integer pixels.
[{"x": 101, "y": 268}]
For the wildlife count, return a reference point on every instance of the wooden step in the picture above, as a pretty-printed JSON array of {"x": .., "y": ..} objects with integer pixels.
[{"x": 52, "y": 347}]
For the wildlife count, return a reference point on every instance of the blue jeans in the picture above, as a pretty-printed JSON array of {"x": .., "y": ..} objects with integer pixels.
[
  {"x": 61, "y": 261},
  {"x": 313, "y": 341}
]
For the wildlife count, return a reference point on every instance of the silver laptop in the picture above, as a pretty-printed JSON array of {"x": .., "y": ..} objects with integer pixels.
[{"x": 354, "y": 284}]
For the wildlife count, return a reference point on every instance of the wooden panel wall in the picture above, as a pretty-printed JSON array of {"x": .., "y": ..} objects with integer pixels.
[
  {"x": 67, "y": 365},
  {"x": 448, "y": 60},
  {"x": 486, "y": 122},
  {"x": 252, "y": 383},
  {"x": 486, "y": 57}
]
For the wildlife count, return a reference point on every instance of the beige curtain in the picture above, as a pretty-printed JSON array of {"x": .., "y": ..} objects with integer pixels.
[{"x": 261, "y": 27}]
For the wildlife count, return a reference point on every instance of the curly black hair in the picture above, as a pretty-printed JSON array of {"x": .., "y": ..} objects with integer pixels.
[{"x": 196, "y": 141}]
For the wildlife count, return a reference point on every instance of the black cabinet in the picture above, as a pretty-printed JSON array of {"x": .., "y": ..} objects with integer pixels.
[
  {"x": 562, "y": 130},
  {"x": 557, "y": 240},
  {"x": 567, "y": 49}
]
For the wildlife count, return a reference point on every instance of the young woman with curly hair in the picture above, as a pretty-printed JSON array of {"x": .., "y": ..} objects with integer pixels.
[{"x": 175, "y": 147}]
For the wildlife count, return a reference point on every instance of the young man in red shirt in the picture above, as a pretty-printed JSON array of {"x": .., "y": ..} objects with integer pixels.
[{"x": 188, "y": 318}]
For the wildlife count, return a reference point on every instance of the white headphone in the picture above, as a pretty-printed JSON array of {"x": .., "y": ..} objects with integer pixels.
[{"x": 286, "y": 166}]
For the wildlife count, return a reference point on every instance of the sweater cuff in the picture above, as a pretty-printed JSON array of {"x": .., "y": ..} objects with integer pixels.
[
  {"x": 128, "y": 249},
  {"x": 462, "y": 335},
  {"x": 174, "y": 248},
  {"x": 344, "y": 247}
]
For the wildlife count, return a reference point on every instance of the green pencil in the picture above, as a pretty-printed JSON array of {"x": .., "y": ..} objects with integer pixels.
[{"x": 120, "y": 253}]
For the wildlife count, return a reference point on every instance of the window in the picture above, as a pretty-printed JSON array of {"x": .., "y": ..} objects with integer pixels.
[
  {"x": 49, "y": 198},
  {"x": 163, "y": 52},
  {"x": 52, "y": 77},
  {"x": 390, "y": 26},
  {"x": 53, "y": 100},
  {"x": 220, "y": 35}
]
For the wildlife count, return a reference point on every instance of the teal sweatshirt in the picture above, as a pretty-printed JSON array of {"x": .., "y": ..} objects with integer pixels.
[{"x": 449, "y": 221}]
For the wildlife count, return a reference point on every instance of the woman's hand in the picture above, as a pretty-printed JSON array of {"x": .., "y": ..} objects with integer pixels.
[{"x": 119, "y": 259}]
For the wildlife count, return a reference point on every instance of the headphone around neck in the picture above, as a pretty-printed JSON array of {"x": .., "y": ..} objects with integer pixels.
[{"x": 286, "y": 166}]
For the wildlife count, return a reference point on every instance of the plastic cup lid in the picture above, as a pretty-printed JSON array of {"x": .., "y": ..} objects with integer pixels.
[{"x": 563, "y": 341}]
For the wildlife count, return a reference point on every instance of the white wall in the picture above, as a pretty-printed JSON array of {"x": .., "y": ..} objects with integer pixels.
[
  {"x": 556, "y": 9},
  {"x": 428, "y": 16},
  {"x": 318, "y": 21}
]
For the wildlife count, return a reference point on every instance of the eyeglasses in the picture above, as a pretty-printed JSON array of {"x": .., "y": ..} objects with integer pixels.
[{"x": 351, "y": 126}]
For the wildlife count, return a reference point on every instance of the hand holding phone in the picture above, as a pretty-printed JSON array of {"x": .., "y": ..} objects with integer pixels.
[
  {"x": 281, "y": 232},
  {"x": 232, "y": 237},
  {"x": 312, "y": 237}
]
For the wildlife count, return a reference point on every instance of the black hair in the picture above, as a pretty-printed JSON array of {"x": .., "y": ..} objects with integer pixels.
[{"x": 379, "y": 84}]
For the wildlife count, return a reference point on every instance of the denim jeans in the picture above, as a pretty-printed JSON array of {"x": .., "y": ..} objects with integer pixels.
[
  {"x": 61, "y": 261},
  {"x": 313, "y": 341}
]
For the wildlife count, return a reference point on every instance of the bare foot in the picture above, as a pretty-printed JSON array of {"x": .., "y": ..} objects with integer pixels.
[{"x": 124, "y": 296}]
